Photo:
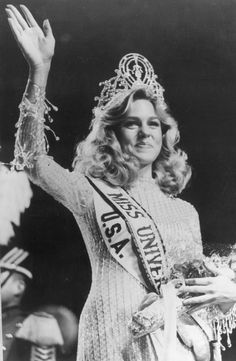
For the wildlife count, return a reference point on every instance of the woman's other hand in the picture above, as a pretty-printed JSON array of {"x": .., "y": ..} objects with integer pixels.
[
  {"x": 220, "y": 289},
  {"x": 36, "y": 44}
]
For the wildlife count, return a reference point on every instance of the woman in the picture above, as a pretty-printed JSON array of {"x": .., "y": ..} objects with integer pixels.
[{"x": 122, "y": 192}]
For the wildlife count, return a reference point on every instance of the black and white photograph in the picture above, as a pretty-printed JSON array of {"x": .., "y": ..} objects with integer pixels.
[{"x": 118, "y": 180}]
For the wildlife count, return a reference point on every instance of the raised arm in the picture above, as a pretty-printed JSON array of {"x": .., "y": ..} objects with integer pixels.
[
  {"x": 31, "y": 147},
  {"x": 37, "y": 46}
]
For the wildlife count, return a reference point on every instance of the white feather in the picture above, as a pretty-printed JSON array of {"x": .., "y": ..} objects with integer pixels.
[{"x": 15, "y": 196}]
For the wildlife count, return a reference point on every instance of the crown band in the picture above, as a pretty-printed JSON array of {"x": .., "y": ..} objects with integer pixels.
[{"x": 134, "y": 72}]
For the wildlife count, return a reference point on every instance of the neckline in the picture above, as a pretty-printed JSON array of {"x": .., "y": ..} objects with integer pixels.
[
  {"x": 145, "y": 180},
  {"x": 145, "y": 183}
]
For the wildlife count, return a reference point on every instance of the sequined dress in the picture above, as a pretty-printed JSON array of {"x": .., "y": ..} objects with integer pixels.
[{"x": 115, "y": 295}]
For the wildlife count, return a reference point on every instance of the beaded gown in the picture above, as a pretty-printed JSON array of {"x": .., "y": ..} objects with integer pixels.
[{"x": 115, "y": 295}]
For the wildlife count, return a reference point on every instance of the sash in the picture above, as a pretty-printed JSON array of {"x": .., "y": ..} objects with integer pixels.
[{"x": 130, "y": 234}]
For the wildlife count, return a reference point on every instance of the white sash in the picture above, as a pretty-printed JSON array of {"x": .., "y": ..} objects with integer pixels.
[{"x": 130, "y": 234}]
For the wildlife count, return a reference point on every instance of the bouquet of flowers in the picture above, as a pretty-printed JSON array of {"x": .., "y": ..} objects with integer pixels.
[
  {"x": 150, "y": 316},
  {"x": 224, "y": 262},
  {"x": 182, "y": 271}
]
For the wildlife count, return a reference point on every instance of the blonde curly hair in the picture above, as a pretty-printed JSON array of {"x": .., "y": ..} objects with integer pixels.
[{"x": 100, "y": 154}]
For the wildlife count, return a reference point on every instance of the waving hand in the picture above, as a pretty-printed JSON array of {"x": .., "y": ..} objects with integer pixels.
[{"x": 36, "y": 44}]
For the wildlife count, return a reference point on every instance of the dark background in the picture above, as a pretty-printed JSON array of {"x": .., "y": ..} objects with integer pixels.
[{"x": 192, "y": 46}]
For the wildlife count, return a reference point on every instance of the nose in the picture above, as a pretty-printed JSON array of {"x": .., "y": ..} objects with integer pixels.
[{"x": 144, "y": 131}]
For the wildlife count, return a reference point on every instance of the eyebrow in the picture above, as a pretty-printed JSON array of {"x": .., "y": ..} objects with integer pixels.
[{"x": 137, "y": 118}]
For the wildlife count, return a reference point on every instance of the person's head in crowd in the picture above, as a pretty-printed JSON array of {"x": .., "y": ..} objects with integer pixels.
[{"x": 15, "y": 275}]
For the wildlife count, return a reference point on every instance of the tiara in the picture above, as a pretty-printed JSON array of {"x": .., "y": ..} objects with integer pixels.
[{"x": 134, "y": 72}]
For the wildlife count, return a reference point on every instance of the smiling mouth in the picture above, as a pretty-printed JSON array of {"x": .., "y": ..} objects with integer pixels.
[{"x": 143, "y": 145}]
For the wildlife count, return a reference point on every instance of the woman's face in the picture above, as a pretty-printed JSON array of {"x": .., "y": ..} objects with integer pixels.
[{"x": 142, "y": 131}]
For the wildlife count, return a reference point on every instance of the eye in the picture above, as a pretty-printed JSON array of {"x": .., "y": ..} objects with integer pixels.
[
  {"x": 132, "y": 124},
  {"x": 154, "y": 123}
]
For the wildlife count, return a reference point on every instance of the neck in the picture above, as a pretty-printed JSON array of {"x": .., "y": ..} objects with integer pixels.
[{"x": 145, "y": 172}]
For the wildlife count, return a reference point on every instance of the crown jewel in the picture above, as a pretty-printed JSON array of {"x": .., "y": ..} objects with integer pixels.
[{"x": 134, "y": 72}]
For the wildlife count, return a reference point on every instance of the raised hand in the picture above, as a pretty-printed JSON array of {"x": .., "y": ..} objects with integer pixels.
[{"x": 36, "y": 44}]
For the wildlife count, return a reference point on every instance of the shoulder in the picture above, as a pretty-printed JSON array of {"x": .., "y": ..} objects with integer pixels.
[
  {"x": 192, "y": 217},
  {"x": 186, "y": 207},
  {"x": 40, "y": 328},
  {"x": 82, "y": 186}
]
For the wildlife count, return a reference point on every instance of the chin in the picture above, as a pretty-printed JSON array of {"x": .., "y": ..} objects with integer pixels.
[
  {"x": 147, "y": 158},
  {"x": 145, "y": 162}
]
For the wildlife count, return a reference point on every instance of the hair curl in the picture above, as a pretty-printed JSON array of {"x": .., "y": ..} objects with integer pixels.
[{"x": 100, "y": 154}]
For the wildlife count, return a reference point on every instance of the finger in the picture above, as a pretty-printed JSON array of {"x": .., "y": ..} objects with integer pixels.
[
  {"x": 47, "y": 29},
  {"x": 148, "y": 300},
  {"x": 10, "y": 15},
  {"x": 198, "y": 300},
  {"x": 194, "y": 289},
  {"x": 18, "y": 17},
  {"x": 29, "y": 17},
  {"x": 15, "y": 28},
  {"x": 196, "y": 307},
  {"x": 150, "y": 296},
  {"x": 198, "y": 281},
  {"x": 4, "y": 277}
]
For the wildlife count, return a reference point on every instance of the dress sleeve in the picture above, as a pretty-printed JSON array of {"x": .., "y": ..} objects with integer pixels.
[
  {"x": 31, "y": 148},
  {"x": 64, "y": 186}
]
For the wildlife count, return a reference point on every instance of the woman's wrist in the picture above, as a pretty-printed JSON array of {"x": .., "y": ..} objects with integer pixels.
[
  {"x": 39, "y": 75},
  {"x": 36, "y": 85}
]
